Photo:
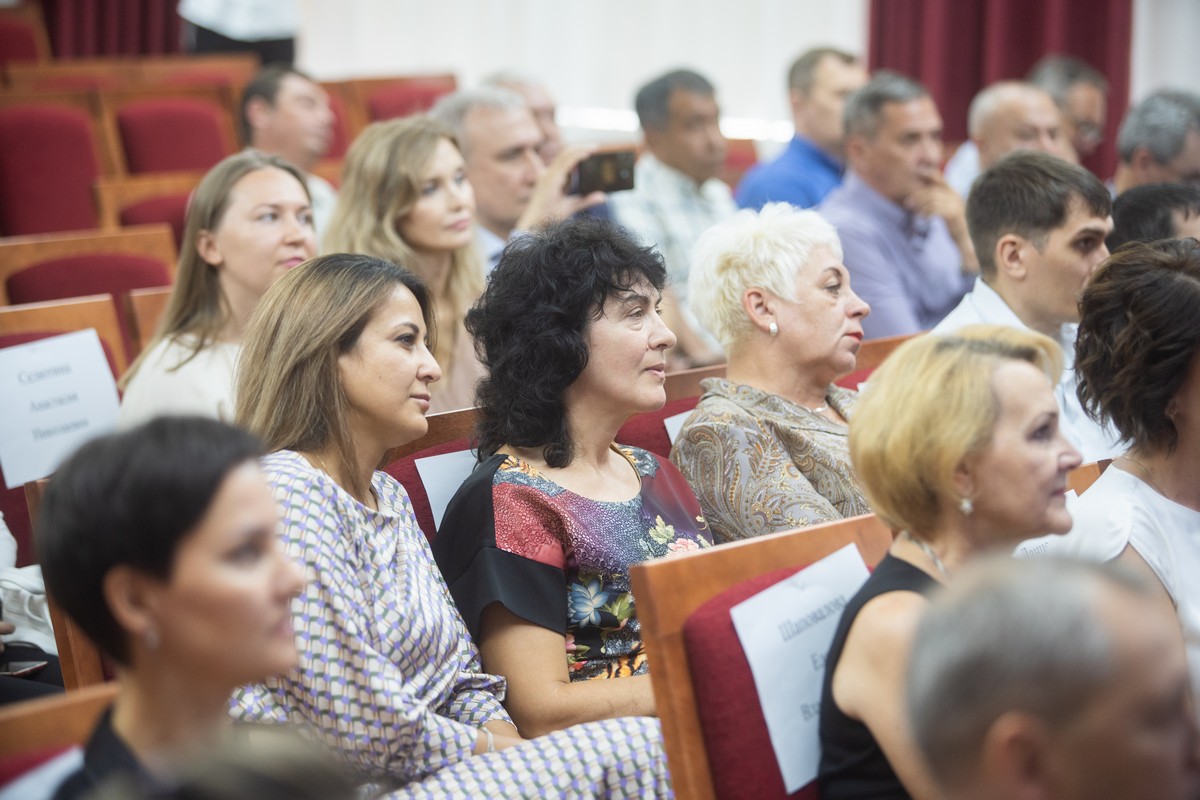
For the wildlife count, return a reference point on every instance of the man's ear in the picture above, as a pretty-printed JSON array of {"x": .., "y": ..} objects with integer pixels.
[
  {"x": 1017, "y": 756},
  {"x": 1011, "y": 256},
  {"x": 257, "y": 110}
]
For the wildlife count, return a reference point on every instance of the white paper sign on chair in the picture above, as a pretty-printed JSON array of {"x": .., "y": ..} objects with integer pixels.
[
  {"x": 55, "y": 394},
  {"x": 785, "y": 632}
]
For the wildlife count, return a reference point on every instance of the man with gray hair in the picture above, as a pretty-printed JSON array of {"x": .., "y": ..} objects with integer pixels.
[
  {"x": 541, "y": 104},
  {"x": 903, "y": 229},
  {"x": 514, "y": 189},
  {"x": 1081, "y": 94},
  {"x": 677, "y": 194},
  {"x": 1056, "y": 680},
  {"x": 1159, "y": 141},
  {"x": 819, "y": 82},
  {"x": 1006, "y": 116}
]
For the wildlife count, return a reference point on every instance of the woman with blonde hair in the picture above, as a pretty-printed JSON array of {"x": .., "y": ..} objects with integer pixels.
[
  {"x": 336, "y": 372},
  {"x": 248, "y": 222},
  {"x": 957, "y": 445},
  {"x": 405, "y": 198}
]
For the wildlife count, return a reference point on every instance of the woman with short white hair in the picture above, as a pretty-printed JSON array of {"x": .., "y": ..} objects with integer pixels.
[{"x": 766, "y": 448}]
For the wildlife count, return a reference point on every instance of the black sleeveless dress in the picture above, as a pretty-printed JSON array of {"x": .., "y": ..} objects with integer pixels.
[{"x": 852, "y": 764}]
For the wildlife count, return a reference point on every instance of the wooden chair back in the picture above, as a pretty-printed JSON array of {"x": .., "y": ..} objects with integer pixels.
[
  {"x": 668, "y": 591},
  {"x": 874, "y": 351},
  {"x": 80, "y": 659},
  {"x": 449, "y": 432},
  {"x": 143, "y": 310},
  {"x": 686, "y": 383},
  {"x": 1082, "y": 477},
  {"x": 51, "y": 723},
  {"x": 18, "y": 253},
  {"x": 65, "y": 316},
  {"x": 76, "y": 74},
  {"x": 115, "y": 194},
  {"x": 446, "y": 427}
]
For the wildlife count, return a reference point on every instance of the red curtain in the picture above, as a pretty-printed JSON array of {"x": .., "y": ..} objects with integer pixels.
[
  {"x": 83, "y": 28},
  {"x": 956, "y": 47}
]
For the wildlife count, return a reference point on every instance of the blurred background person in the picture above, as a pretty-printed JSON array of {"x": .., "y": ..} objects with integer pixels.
[
  {"x": 1159, "y": 141},
  {"x": 1155, "y": 211},
  {"x": 766, "y": 448},
  {"x": 1081, "y": 94},
  {"x": 248, "y": 222},
  {"x": 406, "y": 198}
]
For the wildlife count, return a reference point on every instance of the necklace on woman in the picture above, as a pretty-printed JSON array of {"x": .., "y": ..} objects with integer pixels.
[
  {"x": 927, "y": 550},
  {"x": 819, "y": 409},
  {"x": 1146, "y": 474}
]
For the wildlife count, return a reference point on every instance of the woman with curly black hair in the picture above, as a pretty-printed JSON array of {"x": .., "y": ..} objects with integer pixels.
[{"x": 537, "y": 543}]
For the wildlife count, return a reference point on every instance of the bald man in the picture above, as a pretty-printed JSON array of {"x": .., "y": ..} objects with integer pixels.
[{"x": 1004, "y": 117}]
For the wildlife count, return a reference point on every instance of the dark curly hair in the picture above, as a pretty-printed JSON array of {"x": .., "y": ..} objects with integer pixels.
[
  {"x": 529, "y": 327},
  {"x": 1135, "y": 345}
]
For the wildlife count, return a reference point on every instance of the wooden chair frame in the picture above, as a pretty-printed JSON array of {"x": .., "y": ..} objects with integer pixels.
[
  {"x": 86, "y": 101},
  {"x": 115, "y": 194},
  {"x": 873, "y": 352},
  {"x": 1080, "y": 479},
  {"x": 18, "y": 253},
  {"x": 686, "y": 382},
  {"x": 667, "y": 591},
  {"x": 76, "y": 314},
  {"x": 30, "y": 14},
  {"x": 144, "y": 309},
  {"x": 448, "y": 426},
  {"x": 51, "y": 723}
]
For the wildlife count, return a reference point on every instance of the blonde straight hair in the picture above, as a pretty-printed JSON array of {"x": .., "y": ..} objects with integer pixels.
[
  {"x": 289, "y": 392},
  {"x": 197, "y": 308},
  {"x": 381, "y": 182},
  {"x": 929, "y": 406}
]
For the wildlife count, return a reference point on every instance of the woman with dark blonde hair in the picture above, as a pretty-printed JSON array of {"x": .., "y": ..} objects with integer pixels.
[
  {"x": 405, "y": 198},
  {"x": 248, "y": 222},
  {"x": 957, "y": 446},
  {"x": 336, "y": 372}
]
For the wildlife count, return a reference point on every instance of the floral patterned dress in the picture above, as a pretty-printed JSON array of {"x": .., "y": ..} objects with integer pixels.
[{"x": 560, "y": 560}]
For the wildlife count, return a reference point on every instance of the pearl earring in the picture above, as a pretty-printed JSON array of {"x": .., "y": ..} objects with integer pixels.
[
  {"x": 966, "y": 506},
  {"x": 773, "y": 329}
]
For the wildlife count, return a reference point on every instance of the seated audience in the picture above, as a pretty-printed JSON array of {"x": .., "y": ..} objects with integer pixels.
[
  {"x": 1004, "y": 117},
  {"x": 903, "y": 229},
  {"x": 956, "y": 442},
  {"x": 1039, "y": 224},
  {"x": 1139, "y": 370},
  {"x": 1155, "y": 211},
  {"x": 1081, "y": 94},
  {"x": 337, "y": 372},
  {"x": 26, "y": 630},
  {"x": 1052, "y": 679},
  {"x": 161, "y": 544},
  {"x": 285, "y": 113},
  {"x": 676, "y": 194},
  {"x": 248, "y": 222},
  {"x": 500, "y": 139},
  {"x": 819, "y": 82},
  {"x": 766, "y": 448},
  {"x": 1159, "y": 141},
  {"x": 537, "y": 543},
  {"x": 406, "y": 198}
]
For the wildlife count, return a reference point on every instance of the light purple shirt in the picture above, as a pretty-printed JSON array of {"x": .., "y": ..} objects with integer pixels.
[{"x": 905, "y": 265}]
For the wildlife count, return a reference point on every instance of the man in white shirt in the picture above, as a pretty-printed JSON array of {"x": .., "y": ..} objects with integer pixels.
[
  {"x": 677, "y": 195},
  {"x": 1038, "y": 224},
  {"x": 287, "y": 114}
]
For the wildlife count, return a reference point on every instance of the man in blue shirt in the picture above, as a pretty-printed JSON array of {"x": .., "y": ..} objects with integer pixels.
[{"x": 818, "y": 84}]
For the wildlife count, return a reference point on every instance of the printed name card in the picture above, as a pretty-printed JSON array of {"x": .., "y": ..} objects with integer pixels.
[
  {"x": 441, "y": 476},
  {"x": 786, "y": 631},
  {"x": 56, "y": 394}
]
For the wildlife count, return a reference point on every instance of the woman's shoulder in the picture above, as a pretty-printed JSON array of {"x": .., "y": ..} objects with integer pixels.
[{"x": 174, "y": 378}]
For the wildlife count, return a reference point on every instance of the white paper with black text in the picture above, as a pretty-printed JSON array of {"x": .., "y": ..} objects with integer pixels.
[{"x": 785, "y": 632}]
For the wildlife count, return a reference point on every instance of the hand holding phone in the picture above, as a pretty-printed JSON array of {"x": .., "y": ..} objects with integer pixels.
[{"x": 605, "y": 171}]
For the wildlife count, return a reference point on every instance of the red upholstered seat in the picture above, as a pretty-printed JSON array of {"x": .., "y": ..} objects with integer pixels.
[
  {"x": 18, "y": 41},
  {"x": 406, "y": 97},
  {"x": 169, "y": 208},
  {"x": 648, "y": 430},
  {"x": 47, "y": 167},
  {"x": 168, "y": 133},
  {"x": 95, "y": 273},
  {"x": 405, "y": 471},
  {"x": 735, "y": 732}
]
